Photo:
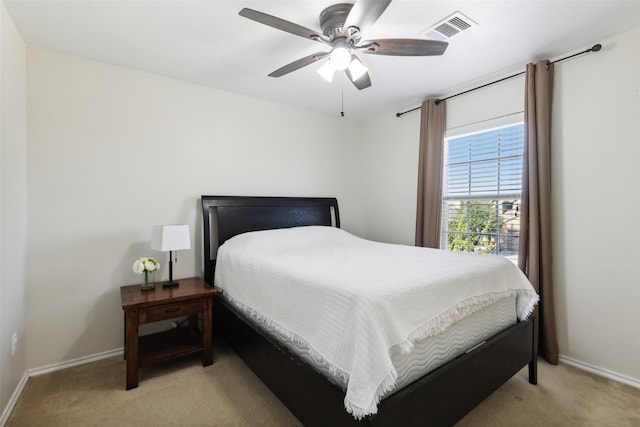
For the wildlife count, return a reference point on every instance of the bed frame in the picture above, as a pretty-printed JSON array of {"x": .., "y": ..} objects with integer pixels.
[{"x": 439, "y": 398}]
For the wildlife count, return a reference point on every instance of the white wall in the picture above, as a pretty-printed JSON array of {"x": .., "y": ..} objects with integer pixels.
[
  {"x": 596, "y": 203},
  {"x": 13, "y": 206},
  {"x": 113, "y": 151},
  {"x": 391, "y": 173},
  {"x": 595, "y": 199}
]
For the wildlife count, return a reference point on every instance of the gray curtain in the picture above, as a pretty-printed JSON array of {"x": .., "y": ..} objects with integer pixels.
[
  {"x": 429, "y": 208},
  {"x": 534, "y": 256}
]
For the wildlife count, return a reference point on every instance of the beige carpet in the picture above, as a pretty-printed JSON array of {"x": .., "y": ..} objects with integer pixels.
[{"x": 183, "y": 393}]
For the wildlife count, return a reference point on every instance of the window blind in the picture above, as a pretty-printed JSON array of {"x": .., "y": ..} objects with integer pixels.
[{"x": 481, "y": 194}]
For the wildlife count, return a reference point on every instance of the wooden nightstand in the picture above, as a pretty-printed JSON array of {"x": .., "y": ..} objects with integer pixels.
[{"x": 193, "y": 296}]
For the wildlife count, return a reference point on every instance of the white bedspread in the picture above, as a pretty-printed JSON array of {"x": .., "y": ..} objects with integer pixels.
[{"x": 353, "y": 300}]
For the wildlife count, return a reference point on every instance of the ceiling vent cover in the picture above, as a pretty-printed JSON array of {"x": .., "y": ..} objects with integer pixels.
[{"x": 450, "y": 26}]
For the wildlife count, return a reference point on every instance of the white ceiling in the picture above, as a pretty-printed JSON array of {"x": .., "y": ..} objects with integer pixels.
[{"x": 207, "y": 42}]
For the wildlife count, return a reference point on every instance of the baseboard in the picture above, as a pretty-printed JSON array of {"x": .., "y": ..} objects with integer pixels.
[
  {"x": 633, "y": 382},
  {"x": 14, "y": 399},
  {"x": 75, "y": 362},
  {"x": 51, "y": 368}
]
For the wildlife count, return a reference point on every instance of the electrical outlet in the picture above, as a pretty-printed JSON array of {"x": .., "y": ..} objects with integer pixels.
[{"x": 14, "y": 343}]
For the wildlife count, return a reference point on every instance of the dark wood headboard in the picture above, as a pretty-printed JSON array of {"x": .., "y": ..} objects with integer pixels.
[{"x": 237, "y": 214}]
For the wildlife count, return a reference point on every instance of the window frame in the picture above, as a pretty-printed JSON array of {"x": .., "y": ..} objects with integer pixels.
[{"x": 460, "y": 132}]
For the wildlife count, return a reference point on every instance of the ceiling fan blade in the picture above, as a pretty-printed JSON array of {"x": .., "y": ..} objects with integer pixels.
[
  {"x": 296, "y": 65},
  {"x": 404, "y": 47},
  {"x": 362, "y": 82},
  {"x": 365, "y": 12},
  {"x": 283, "y": 25}
]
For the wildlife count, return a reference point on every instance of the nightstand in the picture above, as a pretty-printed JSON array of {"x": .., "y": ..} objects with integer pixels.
[{"x": 192, "y": 297}]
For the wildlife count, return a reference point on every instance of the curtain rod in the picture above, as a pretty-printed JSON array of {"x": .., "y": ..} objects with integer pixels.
[{"x": 595, "y": 48}]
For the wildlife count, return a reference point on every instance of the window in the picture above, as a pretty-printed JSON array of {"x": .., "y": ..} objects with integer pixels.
[{"x": 482, "y": 186}]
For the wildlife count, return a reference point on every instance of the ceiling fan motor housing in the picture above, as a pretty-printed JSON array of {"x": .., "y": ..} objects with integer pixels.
[{"x": 332, "y": 20}]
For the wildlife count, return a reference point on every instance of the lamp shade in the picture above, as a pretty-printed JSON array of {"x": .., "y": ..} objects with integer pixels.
[
  {"x": 167, "y": 238},
  {"x": 357, "y": 69},
  {"x": 327, "y": 71}
]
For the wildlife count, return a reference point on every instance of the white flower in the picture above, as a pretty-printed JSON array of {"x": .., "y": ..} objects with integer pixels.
[
  {"x": 145, "y": 264},
  {"x": 138, "y": 267}
]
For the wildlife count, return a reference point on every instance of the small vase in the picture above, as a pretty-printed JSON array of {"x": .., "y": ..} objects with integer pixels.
[{"x": 148, "y": 281}]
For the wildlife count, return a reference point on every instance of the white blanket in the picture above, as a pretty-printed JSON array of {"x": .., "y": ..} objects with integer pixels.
[{"x": 352, "y": 300}]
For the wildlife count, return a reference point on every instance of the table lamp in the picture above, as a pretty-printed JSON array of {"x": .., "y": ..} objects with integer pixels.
[{"x": 169, "y": 238}]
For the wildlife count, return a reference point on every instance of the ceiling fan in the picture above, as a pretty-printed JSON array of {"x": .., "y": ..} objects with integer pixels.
[{"x": 342, "y": 27}]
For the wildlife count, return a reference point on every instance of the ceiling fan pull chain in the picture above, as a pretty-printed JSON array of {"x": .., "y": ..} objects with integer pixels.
[{"x": 342, "y": 96}]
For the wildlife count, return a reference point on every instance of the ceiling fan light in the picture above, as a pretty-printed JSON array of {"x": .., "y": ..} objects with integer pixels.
[
  {"x": 357, "y": 69},
  {"x": 340, "y": 58},
  {"x": 327, "y": 71}
]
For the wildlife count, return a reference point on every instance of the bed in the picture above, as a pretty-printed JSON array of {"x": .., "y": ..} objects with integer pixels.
[{"x": 440, "y": 397}]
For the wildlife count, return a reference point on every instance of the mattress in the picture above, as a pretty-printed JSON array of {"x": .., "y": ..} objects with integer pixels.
[
  {"x": 357, "y": 304},
  {"x": 427, "y": 354}
]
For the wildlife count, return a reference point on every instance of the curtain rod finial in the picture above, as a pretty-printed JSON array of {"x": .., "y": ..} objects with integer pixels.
[{"x": 596, "y": 47}]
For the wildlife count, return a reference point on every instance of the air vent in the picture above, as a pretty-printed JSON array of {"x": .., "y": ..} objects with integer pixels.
[{"x": 450, "y": 26}]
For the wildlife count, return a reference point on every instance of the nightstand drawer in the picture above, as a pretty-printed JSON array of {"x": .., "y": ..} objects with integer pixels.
[{"x": 168, "y": 311}]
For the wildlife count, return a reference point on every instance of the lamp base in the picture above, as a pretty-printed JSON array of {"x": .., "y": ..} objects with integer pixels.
[{"x": 170, "y": 284}]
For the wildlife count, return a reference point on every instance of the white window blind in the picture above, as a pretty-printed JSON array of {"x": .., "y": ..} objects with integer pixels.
[{"x": 481, "y": 194}]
